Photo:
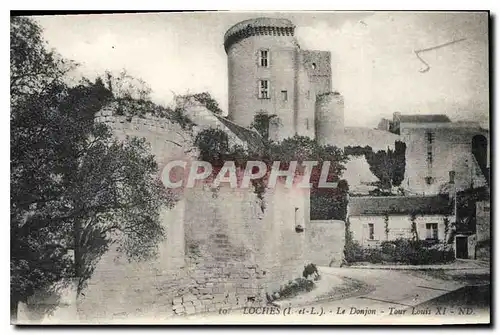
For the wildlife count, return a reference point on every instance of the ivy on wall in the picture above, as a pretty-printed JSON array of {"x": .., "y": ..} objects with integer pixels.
[{"x": 214, "y": 147}]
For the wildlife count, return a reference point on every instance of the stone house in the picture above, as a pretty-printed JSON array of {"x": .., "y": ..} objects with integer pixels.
[{"x": 370, "y": 217}]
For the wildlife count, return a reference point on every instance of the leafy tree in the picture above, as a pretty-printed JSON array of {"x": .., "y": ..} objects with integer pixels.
[
  {"x": 75, "y": 189},
  {"x": 388, "y": 166},
  {"x": 413, "y": 226},
  {"x": 386, "y": 226},
  {"x": 203, "y": 98},
  {"x": 261, "y": 122},
  {"x": 214, "y": 147},
  {"x": 132, "y": 98}
]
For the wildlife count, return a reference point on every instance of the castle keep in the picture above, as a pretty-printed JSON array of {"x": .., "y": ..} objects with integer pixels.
[{"x": 269, "y": 73}]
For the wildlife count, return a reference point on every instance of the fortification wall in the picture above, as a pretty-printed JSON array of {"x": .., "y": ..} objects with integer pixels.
[
  {"x": 221, "y": 249},
  {"x": 121, "y": 288},
  {"x": 326, "y": 239},
  {"x": 238, "y": 252}
]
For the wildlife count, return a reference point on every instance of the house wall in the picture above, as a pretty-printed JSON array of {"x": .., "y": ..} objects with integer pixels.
[
  {"x": 451, "y": 150},
  {"x": 399, "y": 227},
  {"x": 483, "y": 229},
  {"x": 325, "y": 240}
]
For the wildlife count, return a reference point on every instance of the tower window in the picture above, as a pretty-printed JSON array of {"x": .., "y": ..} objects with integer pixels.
[
  {"x": 284, "y": 95},
  {"x": 264, "y": 89},
  {"x": 313, "y": 66},
  {"x": 264, "y": 58}
]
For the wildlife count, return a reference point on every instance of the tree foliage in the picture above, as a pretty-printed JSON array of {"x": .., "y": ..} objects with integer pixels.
[
  {"x": 203, "y": 98},
  {"x": 261, "y": 122},
  {"x": 388, "y": 166},
  {"x": 214, "y": 147},
  {"x": 75, "y": 189},
  {"x": 132, "y": 98}
]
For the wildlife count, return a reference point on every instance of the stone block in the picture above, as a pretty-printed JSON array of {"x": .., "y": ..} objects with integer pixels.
[
  {"x": 188, "y": 297},
  {"x": 190, "y": 310},
  {"x": 219, "y": 297},
  {"x": 205, "y": 291},
  {"x": 177, "y": 301},
  {"x": 206, "y": 297},
  {"x": 178, "y": 309}
]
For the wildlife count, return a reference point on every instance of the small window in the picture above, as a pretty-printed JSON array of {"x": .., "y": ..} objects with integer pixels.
[
  {"x": 371, "y": 231},
  {"x": 313, "y": 65},
  {"x": 284, "y": 95},
  {"x": 264, "y": 89},
  {"x": 308, "y": 95},
  {"x": 264, "y": 58},
  {"x": 307, "y": 124},
  {"x": 431, "y": 231}
]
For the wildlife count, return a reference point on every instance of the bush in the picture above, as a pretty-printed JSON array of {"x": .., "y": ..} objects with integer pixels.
[
  {"x": 407, "y": 251},
  {"x": 292, "y": 288},
  {"x": 353, "y": 252},
  {"x": 310, "y": 269}
]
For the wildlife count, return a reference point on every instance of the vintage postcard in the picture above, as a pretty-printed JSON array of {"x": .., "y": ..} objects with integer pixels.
[{"x": 326, "y": 167}]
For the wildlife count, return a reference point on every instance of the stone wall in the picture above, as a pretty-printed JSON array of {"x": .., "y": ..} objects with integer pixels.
[
  {"x": 325, "y": 240},
  {"x": 237, "y": 252},
  {"x": 483, "y": 229},
  {"x": 221, "y": 249}
]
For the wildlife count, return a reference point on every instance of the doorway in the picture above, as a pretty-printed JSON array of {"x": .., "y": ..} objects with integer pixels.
[{"x": 462, "y": 247}]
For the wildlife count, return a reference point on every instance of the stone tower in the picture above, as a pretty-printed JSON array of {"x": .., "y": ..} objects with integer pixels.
[
  {"x": 330, "y": 119},
  {"x": 269, "y": 73},
  {"x": 262, "y": 56}
]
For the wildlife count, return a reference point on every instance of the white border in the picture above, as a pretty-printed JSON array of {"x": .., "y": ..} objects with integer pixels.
[{"x": 198, "y": 5}]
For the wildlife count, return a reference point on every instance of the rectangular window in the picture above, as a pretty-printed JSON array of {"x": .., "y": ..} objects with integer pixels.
[
  {"x": 264, "y": 89},
  {"x": 431, "y": 231},
  {"x": 284, "y": 95},
  {"x": 371, "y": 231},
  {"x": 264, "y": 58},
  {"x": 307, "y": 124}
]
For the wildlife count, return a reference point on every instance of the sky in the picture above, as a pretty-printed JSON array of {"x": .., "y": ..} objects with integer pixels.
[{"x": 374, "y": 64}]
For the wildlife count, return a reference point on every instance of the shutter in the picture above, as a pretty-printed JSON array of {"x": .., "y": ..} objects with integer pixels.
[{"x": 422, "y": 231}]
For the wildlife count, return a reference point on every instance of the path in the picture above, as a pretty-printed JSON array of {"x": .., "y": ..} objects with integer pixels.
[{"x": 393, "y": 295}]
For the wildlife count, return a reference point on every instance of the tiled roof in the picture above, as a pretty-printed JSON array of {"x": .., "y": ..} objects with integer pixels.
[
  {"x": 359, "y": 206},
  {"x": 251, "y": 137},
  {"x": 424, "y": 118}
]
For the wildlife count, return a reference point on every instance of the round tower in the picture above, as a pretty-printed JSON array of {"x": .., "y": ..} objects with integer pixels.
[
  {"x": 262, "y": 56},
  {"x": 329, "y": 119}
]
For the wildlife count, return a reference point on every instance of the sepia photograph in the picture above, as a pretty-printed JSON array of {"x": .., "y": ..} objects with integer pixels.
[{"x": 250, "y": 167}]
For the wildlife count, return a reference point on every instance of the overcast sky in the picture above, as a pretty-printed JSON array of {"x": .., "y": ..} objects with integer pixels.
[{"x": 373, "y": 60}]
